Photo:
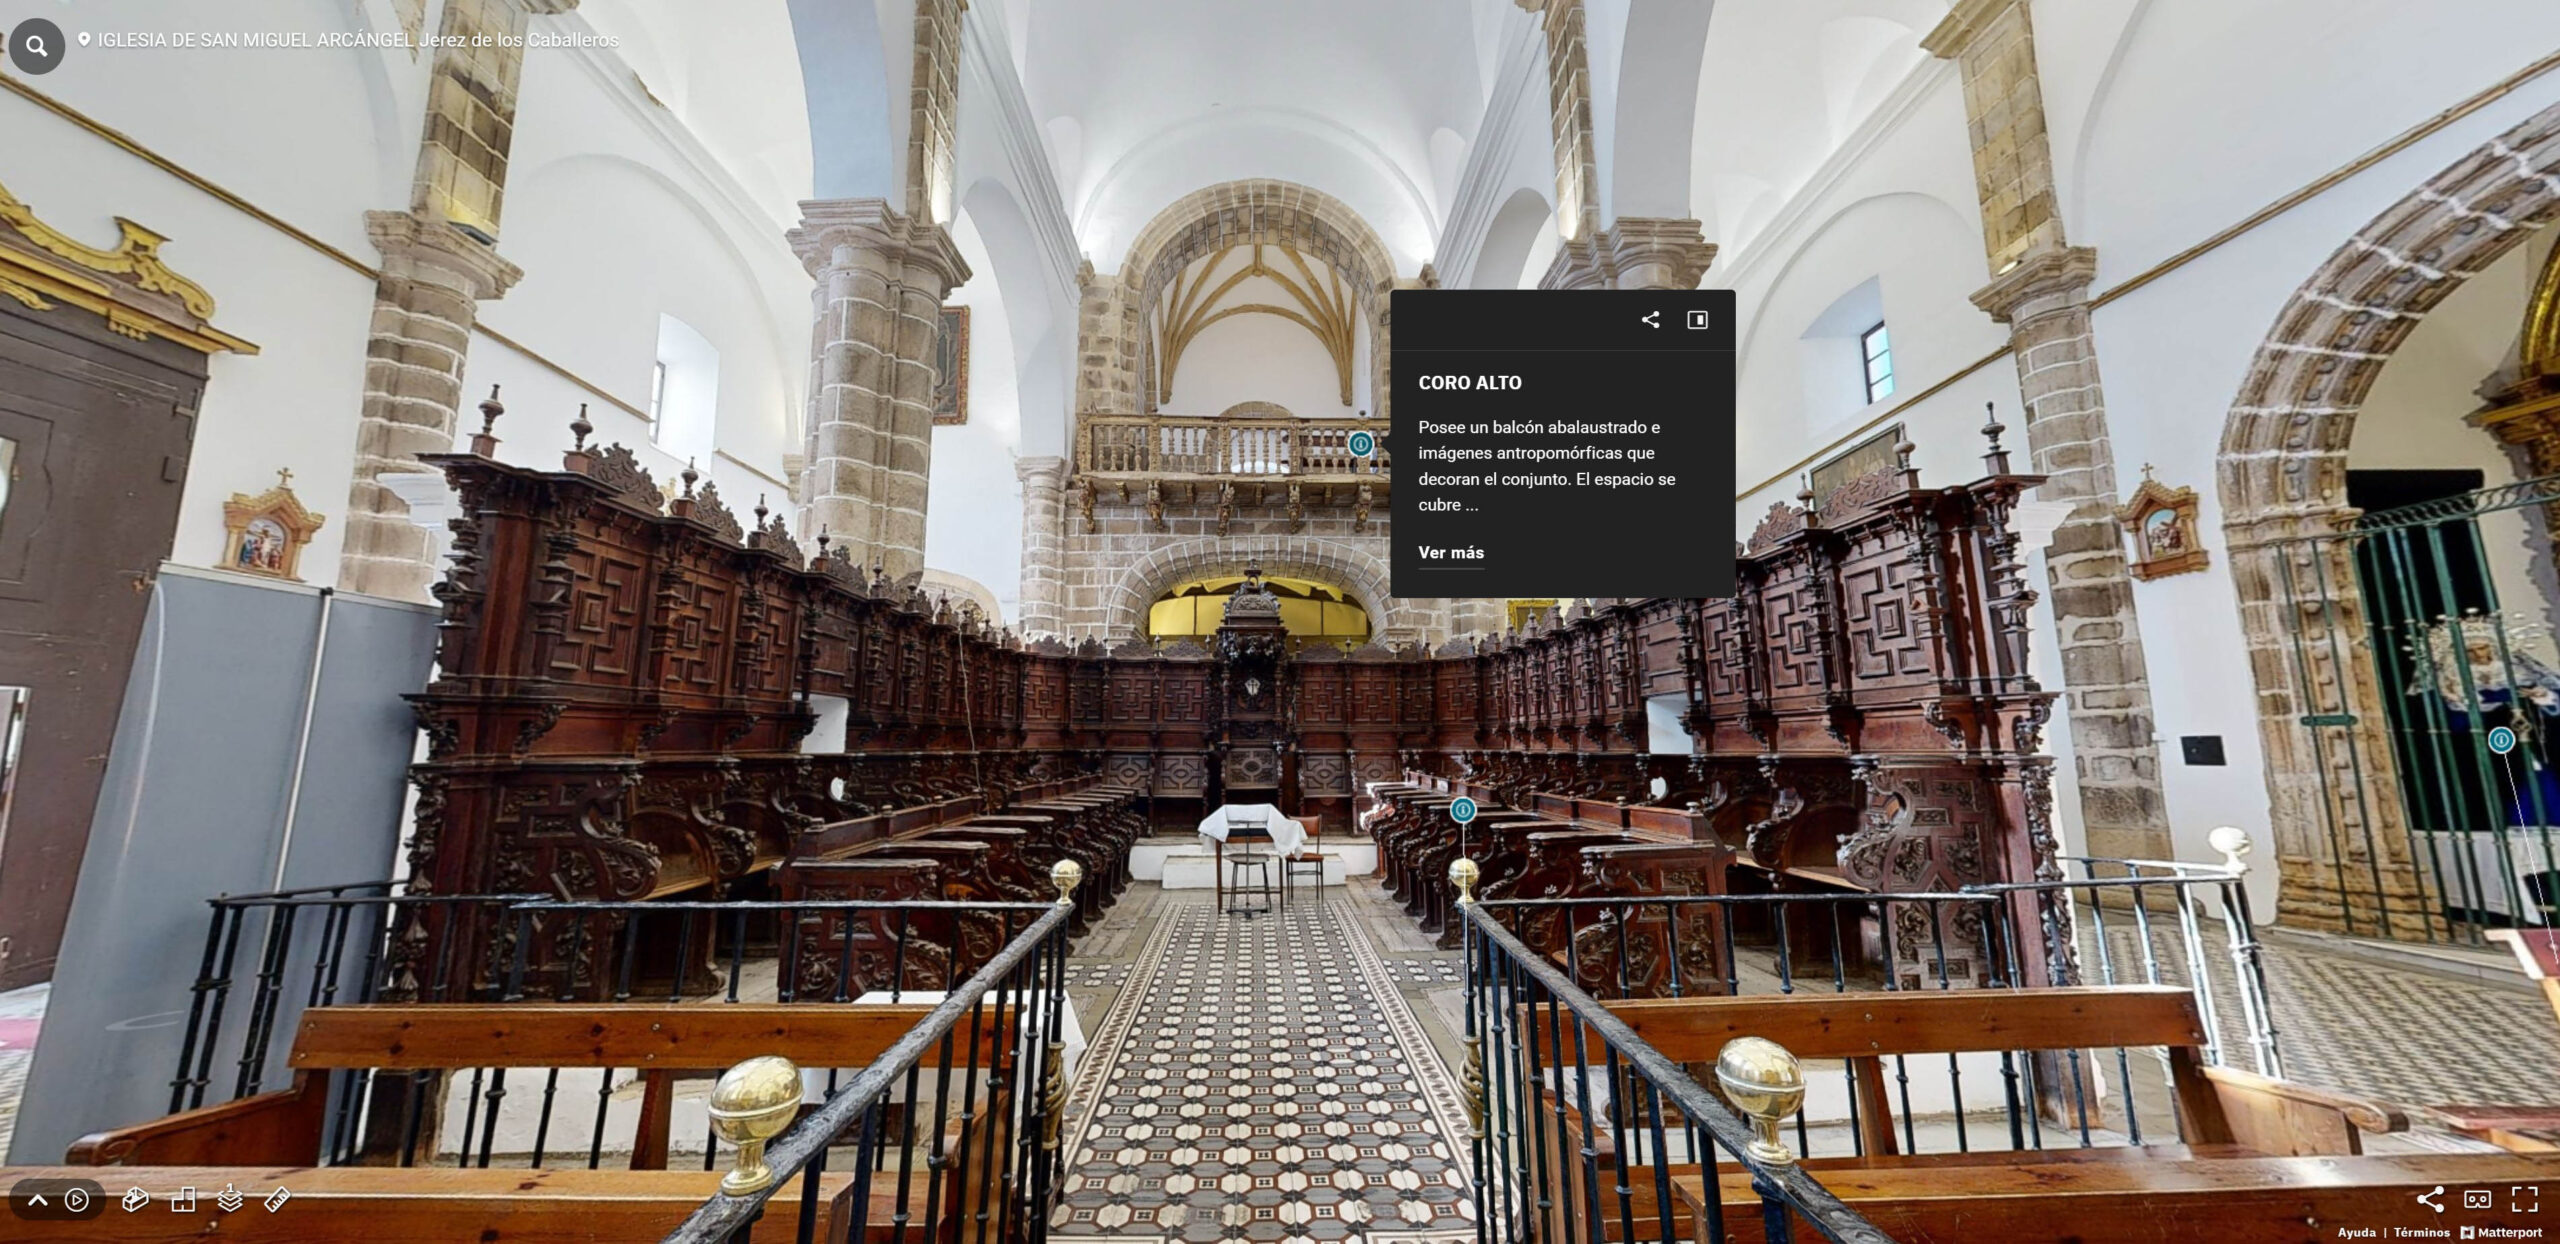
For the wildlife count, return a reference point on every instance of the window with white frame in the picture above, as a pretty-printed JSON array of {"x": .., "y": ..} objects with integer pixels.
[
  {"x": 1877, "y": 349},
  {"x": 684, "y": 392}
]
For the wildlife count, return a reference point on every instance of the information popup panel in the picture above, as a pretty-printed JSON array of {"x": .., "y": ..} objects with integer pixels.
[{"x": 1563, "y": 443}]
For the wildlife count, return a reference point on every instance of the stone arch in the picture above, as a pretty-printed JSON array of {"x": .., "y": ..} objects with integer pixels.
[
  {"x": 1361, "y": 571},
  {"x": 2282, "y": 476},
  {"x": 1257, "y": 210}
]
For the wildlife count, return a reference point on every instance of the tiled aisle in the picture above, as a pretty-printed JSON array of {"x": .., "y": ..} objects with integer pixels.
[{"x": 1261, "y": 1079}]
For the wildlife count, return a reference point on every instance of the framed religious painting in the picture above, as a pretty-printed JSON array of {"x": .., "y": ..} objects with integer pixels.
[
  {"x": 265, "y": 534},
  {"x": 2162, "y": 524},
  {"x": 951, "y": 368}
]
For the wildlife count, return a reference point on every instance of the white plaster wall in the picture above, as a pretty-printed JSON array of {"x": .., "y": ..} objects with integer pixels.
[
  {"x": 2199, "y": 112},
  {"x": 292, "y": 405},
  {"x": 974, "y": 526},
  {"x": 2173, "y": 354},
  {"x": 614, "y": 211}
]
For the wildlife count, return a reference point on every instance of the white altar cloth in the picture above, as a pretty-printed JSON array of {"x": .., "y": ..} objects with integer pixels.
[{"x": 1286, "y": 835}]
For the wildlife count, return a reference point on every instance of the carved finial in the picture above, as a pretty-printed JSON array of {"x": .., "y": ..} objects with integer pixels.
[
  {"x": 760, "y": 510},
  {"x": 689, "y": 477},
  {"x": 2146, "y": 472},
  {"x": 1996, "y": 458},
  {"x": 580, "y": 428},
  {"x": 485, "y": 441},
  {"x": 825, "y": 538},
  {"x": 284, "y": 477},
  {"x": 1902, "y": 455}
]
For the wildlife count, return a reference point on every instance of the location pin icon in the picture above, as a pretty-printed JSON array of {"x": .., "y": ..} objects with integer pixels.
[{"x": 84, "y": 38}]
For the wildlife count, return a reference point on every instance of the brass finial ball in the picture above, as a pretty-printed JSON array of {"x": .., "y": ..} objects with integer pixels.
[
  {"x": 753, "y": 1102},
  {"x": 1462, "y": 874},
  {"x": 1764, "y": 1081},
  {"x": 1066, "y": 875}
]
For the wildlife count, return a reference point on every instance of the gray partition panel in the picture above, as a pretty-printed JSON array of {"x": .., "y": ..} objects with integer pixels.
[{"x": 194, "y": 805}]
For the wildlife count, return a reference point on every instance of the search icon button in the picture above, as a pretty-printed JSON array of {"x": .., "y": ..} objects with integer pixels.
[{"x": 35, "y": 46}]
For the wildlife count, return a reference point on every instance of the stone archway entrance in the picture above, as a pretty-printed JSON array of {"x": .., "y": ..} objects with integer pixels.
[
  {"x": 2282, "y": 473},
  {"x": 1361, "y": 571}
]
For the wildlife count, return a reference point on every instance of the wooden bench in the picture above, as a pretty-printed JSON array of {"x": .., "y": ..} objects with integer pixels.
[
  {"x": 2222, "y": 1112},
  {"x": 2516, "y": 1128},
  {"x": 2042, "y": 1197},
  {"x": 287, "y": 1129}
]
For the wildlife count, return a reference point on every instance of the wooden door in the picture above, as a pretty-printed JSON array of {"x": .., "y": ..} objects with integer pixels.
[{"x": 94, "y": 434}]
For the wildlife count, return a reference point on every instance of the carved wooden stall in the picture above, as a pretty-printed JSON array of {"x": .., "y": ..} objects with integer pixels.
[
  {"x": 1860, "y": 717},
  {"x": 627, "y": 681}
]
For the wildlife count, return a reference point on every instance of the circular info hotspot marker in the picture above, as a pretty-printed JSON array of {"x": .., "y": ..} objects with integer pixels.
[
  {"x": 2502, "y": 740},
  {"x": 1363, "y": 444},
  {"x": 1462, "y": 810}
]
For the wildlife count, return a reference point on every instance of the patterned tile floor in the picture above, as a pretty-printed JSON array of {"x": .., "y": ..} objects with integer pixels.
[{"x": 1263, "y": 1079}]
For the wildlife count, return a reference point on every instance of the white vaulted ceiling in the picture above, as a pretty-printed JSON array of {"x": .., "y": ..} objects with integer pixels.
[
  {"x": 1785, "y": 84},
  {"x": 1144, "y": 101}
]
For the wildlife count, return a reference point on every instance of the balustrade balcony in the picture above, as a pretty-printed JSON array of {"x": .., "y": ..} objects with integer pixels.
[{"x": 1130, "y": 448}]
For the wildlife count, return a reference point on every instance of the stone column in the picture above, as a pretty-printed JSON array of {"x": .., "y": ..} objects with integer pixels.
[
  {"x": 433, "y": 278},
  {"x": 439, "y": 260},
  {"x": 881, "y": 277},
  {"x": 1569, "y": 109},
  {"x": 1044, "y": 518},
  {"x": 1634, "y": 252},
  {"x": 1107, "y": 337},
  {"x": 2041, "y": 291}
]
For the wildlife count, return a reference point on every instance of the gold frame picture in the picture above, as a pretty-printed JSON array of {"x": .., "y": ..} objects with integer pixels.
[
  {"x": 2162, "y": 524},
  {"x": 265, "y": 534}
]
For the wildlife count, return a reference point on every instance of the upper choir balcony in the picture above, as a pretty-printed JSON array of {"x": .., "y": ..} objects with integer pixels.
[{"x": 1314, "y": 455}]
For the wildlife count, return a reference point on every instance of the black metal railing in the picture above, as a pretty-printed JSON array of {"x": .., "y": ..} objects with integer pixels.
[
  {"x": 2119, "y": 922},
  {"x": 1545, "y": 1104},
  {"x": 976, "y": 1169},
  {"x": 269, "y": 957},
  {"x": 308, "y": 947}
]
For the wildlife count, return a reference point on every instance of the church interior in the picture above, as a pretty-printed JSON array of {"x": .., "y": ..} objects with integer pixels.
[{"x": 775, "y": 621}]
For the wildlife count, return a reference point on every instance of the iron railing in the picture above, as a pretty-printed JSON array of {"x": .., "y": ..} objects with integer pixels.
[
  {"x": 990, "y": 1158},
  {"x": 1537, "y": 1114},
  {"x": 2406, "y": 660},
  {"x": 268, "y": 957},
  {"x": 2118, "y": 922},
  {"x": 313, "y": 946}
]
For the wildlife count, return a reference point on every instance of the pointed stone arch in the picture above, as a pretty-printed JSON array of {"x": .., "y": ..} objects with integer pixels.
[
  {"x": 1260, "y": 210},
  {"x": 2282, "y": 475}
]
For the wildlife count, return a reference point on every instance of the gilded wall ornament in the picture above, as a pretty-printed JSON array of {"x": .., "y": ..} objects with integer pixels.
[
  {"x": 2162, "y": 522},
  {"x": 264, "y": 534}
]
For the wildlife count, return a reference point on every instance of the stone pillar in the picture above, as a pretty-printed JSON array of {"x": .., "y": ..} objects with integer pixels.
[
  {"x": 2041, "y": 291},
  {"x": 1634, "y": 252},
  {"x": 439, "y": 260},
  {"x": 433, "y": 278},
  {"x": 881, "y": 277},
  {"x": 1569, "y": 108},
  {"x": 1107, "y": 339},
  {"x": 1044, "y": 520}
]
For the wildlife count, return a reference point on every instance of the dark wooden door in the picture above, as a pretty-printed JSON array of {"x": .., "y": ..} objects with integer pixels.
[{"x": 94, "y": 430}]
